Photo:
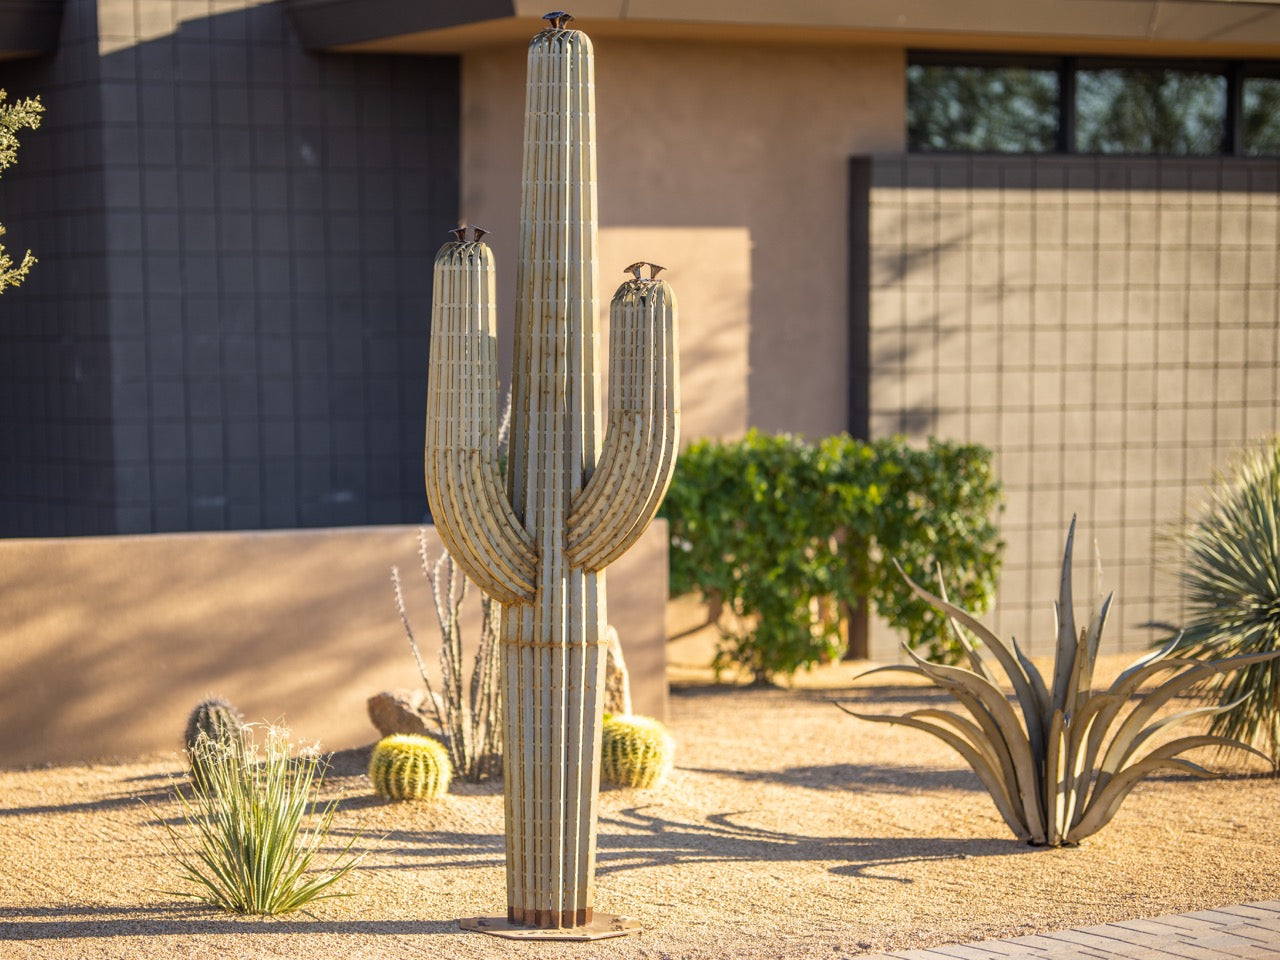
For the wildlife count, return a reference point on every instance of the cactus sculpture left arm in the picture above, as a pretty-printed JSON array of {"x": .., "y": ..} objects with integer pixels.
[{"x": 468, "y": 504}]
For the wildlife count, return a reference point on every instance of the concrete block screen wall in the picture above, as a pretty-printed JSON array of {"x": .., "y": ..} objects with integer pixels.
[{"x": 1109, "y": 327}]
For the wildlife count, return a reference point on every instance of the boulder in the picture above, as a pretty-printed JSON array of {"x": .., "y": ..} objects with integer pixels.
[
  {"x": 402, "y": 711},
  {"x": 617, "y": 682}
]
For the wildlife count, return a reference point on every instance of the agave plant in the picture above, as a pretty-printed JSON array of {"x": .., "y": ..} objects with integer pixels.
[
  {"x": 1060, "y": 772},
  {"x": 1232, "y": 582}
]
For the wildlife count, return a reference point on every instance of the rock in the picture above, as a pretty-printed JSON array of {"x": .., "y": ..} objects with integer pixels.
[
  {"x": 402, "y": 711},
  {"x": 617, "y": 682}
]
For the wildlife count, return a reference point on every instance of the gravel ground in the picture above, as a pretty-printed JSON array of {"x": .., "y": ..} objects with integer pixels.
[{"x": 788, "y": 830}]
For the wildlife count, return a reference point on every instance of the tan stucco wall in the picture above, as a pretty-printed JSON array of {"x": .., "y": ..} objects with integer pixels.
[
  {"x": 727, "y": 163},
  {"x": 107, "y": 643}
]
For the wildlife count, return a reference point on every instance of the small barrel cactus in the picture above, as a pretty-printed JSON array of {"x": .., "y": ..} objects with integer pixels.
[
  {"x": 637, "y": 751},
  {"x": 407, "y": 766},
  {"x": 216, "y": 721}
]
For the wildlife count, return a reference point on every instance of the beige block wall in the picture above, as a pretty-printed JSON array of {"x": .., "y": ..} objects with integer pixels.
[
  {"x": 728, "y": 163},
  {"x": 108, "y": 642},
  {"x": 1108, "y": 327}
]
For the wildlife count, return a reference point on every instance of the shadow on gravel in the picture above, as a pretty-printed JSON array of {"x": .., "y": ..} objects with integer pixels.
[
  {"x": 72, "y": 922},
  {"x": 655, "y": 841},
  {"x": 636, "y": 838},
  {"x": 843, "y": 777}
]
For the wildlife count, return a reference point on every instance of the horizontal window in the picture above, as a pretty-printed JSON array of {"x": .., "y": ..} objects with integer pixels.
[
  {"x": 1134, "y": 110},
  {"x": 1027, "y": 104},
  {"x": 1261, "y": 115},
  {"x": 992, "y": 109}
]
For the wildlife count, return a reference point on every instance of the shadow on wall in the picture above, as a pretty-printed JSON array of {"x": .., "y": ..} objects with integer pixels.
[{"x": 109, "y": 642}]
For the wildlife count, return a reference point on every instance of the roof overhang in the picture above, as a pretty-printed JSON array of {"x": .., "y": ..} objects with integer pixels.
[
  {"x": 1160, "y": 27},
  {"x": 29, "y": 28}
]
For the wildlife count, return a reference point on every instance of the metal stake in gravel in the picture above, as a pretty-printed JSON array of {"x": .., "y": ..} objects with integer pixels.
[{"x": 572, "y": 504}]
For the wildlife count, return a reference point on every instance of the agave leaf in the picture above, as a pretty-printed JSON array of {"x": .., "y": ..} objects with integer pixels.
[
  {"x": 995, "y": 733},
  {"x": 1121, "y": 745},
  {"x": 893, "y": 668},
  {"x": 1106, "y": 800},
  {"x": 1182, "y": 716},
  {"x": 976, "y": 661},
  {"x": 1016, "y": 669},
  {"x": 1054, "y": 788},
  {"x": 972, "y": 752},
  {"x": 962, "y": 682},
  {"x": 1106, "y": 804},
  {"x": 1089, "y": 655},
  {"x": 1065, "y": 620},
  {"x": 1038, "y": 689},
  {"x": 1146, "y": 661},
  {"x": 1080, "y": 763},
  {"x": 1090, "y": 725}
]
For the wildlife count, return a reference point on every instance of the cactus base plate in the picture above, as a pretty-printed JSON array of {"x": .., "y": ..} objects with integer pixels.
[{"x": 602, "y": 925}]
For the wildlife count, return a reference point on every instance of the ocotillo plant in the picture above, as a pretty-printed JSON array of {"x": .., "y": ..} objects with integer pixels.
[{"x": 573, "y": 502}]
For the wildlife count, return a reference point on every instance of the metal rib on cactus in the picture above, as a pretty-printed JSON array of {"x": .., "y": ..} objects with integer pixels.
[{"x": 573, "y": 502}]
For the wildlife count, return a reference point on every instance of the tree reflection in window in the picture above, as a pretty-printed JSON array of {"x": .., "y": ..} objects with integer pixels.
[
  {"x": 992, "y": 109},
  {"x": 1160, "y": 111},
  {"x": 1261, "y": 112}
]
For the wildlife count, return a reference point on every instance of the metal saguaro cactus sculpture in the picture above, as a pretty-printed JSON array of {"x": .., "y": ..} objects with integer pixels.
[{"x": 573, "y": 501}]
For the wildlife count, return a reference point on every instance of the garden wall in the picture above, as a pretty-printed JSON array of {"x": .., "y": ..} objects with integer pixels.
[{"x": 109, "y": 641}]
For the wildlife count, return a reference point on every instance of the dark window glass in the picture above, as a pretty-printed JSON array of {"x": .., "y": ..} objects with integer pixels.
[
  {"x": 1144, "y": 110},
  {"x": 1261, "y": 114},
  {"x": 993, "y": 109}
]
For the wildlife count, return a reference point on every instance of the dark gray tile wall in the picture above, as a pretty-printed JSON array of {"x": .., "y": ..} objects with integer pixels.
[
  {"x": 268, "y": 222},
  {"x": 56, "y": 391}
]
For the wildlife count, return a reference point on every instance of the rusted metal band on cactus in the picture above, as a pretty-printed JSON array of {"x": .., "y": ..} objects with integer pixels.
[
  {"x": 552, "y": 645},
  {"x": 550, "y": 919}
]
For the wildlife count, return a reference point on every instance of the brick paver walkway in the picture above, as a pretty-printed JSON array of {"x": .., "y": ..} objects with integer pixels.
[{"x": 1228, "y": 933}]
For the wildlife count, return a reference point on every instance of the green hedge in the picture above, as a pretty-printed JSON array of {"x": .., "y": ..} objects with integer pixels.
[{"x": 789, "y": 537}]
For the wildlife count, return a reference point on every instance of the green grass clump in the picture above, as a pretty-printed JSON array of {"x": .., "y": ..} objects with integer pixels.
[
  {"x": 254, "y": 826},
  {"x": 635, "y": 752},
  {"x": 407, "y": 766}
]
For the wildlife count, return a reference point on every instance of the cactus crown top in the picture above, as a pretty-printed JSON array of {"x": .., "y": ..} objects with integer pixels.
[
  {"x": 557, "y": 20},
  {"x": 635, "y": 268}
]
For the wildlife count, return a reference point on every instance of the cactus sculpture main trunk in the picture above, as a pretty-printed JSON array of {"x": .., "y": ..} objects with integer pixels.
[{"x": 573, "y": 500}]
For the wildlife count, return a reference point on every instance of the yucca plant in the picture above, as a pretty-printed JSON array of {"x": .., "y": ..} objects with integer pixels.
[
  {"x": 1060, "y": 773},
  {"x": 256, "y": 827},
  {"x": 1231, "y": 578}
]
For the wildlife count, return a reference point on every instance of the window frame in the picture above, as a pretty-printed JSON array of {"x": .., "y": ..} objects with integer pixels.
[{"x": 1236, "y": 73}]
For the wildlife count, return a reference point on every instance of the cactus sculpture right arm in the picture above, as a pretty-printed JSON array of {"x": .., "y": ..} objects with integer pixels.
[{"x": 638, "y": 457}]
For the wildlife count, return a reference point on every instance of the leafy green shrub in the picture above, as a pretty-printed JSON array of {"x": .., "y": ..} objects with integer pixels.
[
  {"x": 1061, "y": 772},
  {"x": 790, "y": 537},
  {"x": 635, "y": 751},
  {"x": 406, "y": 766},
  {"x": 251, "y": 847},
  {"x": 1232, "y": 582}
]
